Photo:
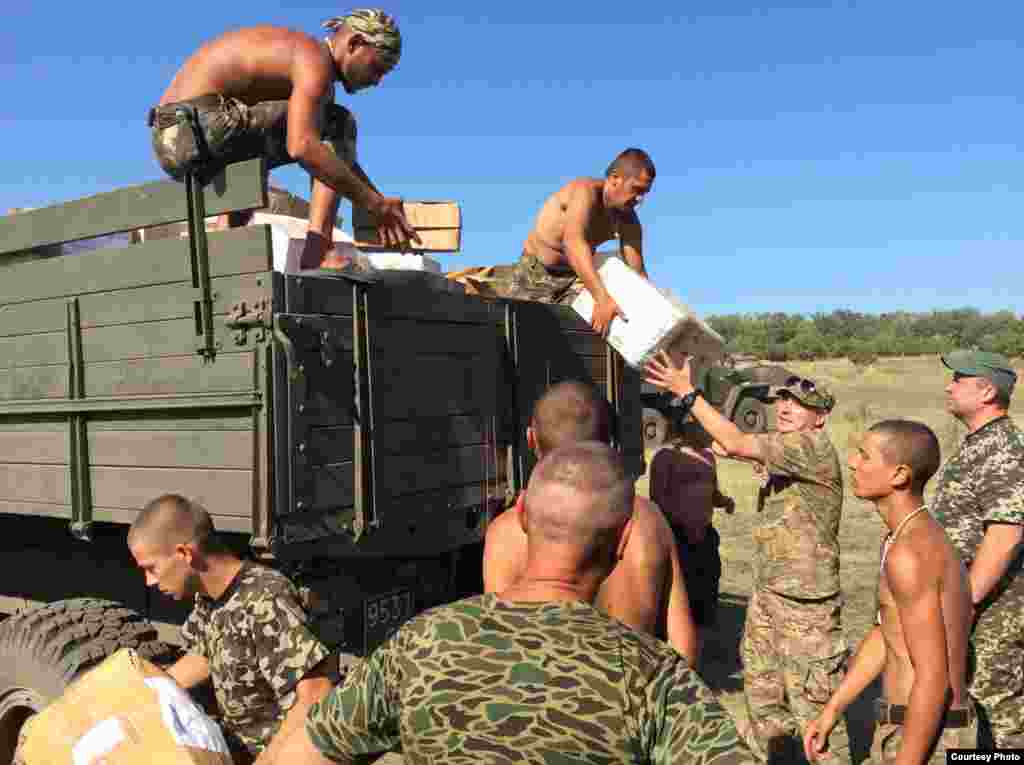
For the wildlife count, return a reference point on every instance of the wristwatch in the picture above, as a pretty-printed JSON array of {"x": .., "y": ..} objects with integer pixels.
[{"x": 687, "y": 401}]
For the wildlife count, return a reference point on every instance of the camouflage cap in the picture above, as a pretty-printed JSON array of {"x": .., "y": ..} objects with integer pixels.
[
  {"x": 378, "y": 28},
  {"x": 994, "y": 367},
  {"x": 807, "y": 392}
]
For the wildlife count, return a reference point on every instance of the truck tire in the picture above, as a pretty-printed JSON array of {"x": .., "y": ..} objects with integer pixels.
[
  {"x": 42, "y": 650},
  {"x": 751, "y": 416},
  {"x": 655, "y": 428}
]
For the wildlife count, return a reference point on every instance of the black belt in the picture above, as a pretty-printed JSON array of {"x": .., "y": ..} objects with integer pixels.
[
  {"x": 166, "y": 115},
  {"x": 895, "y": 714}
]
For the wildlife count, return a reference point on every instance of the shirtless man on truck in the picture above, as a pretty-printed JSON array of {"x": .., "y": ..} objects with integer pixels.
[
  {"x": 269, "y": 92},
  {"x": 558, "y": 254}
]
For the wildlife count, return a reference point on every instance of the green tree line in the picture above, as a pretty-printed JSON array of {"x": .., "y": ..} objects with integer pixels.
[{"x": 784, "y": 336}]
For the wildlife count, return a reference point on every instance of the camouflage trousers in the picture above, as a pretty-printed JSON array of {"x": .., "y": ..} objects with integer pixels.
[
  {"x": 794, "y": 657},
  {"x": 888, "y": 739},
  {"x": 998, "y": 680},
  {"x": 229, "y": 130},
  {"x": 530, "y": 279}
]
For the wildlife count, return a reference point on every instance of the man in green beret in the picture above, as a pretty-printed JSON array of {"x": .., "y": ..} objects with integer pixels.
[
  {"x": 268, "y": 92},
  {"x": 793, "y": 649},
  {"x": 979, "y": 500}
]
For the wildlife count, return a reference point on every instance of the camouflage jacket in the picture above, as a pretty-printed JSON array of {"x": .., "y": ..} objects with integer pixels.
[
  {"x": 983, "y": 483},
  {"x": 259, "y": 647},
  {"x": 797, "y": 536},
  {"x": 490, "y": 681}
]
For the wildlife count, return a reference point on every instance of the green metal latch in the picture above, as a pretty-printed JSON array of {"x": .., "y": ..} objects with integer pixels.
[{"x": 244, "y": 317}]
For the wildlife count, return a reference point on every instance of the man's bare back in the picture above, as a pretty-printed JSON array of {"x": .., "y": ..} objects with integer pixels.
[
  {"x": 252, "y": 65},
  {"x": 925, "y": 547},
  {"x": 646, "y": 590}
]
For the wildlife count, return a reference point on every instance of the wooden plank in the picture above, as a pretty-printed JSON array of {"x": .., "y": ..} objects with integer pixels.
[
  {"x": 422, "y": 337},
  {"x": 438, "y": 224},
  {"x": 413, "y": 473},
  {"x": 171, "y": 421},
  {"x": 42, "y": 509},
  {"x": 34, "y": 350},
  {"x": 34, "y": 483},
  {"x": 411, "y": 301},
  {"x": 166, "y": 261},
  {"x": 425, "y": 434},
  {"x": 425, "y": 386},
  {"x": 240, "y": 186},
  {"x": 328, "y": 390},
  {"x": 176, "y": 337},
  {"x": 171, "y": 374},
  {"x": 333, "y": 486},
  {"x": 154, "y": 303},
  {"x": 34, "y": 383},
  {"x": 35, "y": 446},
  {"x": 330, "y": 445},
  {"x": 221, "y": 492},
  {"x": 169, "y": 448},
  {"x": 318, "y": 295}
]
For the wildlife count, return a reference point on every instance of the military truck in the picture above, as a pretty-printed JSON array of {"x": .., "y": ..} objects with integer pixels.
[
  {"x": 356, "y": 433},
  {"x": 742, "y": 395}
]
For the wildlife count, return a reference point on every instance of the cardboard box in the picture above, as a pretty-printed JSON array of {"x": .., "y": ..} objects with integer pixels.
[
  {"x": 657, "y": 319},
  {"x": 126, "y": 711},
  {"x": 439, "y": 225}
]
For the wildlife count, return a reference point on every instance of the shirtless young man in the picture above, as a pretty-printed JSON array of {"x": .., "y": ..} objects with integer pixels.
[
  {"x": 269, "y": 91},
  {"x": 646, "y": 590},
  {"x": 920, "y": 644},
  {"x": 558, "y": 254}
]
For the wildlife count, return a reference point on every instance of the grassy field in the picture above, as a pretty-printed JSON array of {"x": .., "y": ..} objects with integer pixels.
[{"x": 911, "y": 388}]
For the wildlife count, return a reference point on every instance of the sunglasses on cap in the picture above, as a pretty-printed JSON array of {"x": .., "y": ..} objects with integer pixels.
[{"x": 805, "y": 385}]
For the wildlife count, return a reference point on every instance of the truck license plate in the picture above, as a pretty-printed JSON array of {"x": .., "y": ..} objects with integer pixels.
[{"x": 384, "y": 614}]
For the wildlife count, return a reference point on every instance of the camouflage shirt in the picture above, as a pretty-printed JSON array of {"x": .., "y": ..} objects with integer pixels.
[
  {"x": 983, "y": 483},
  {"x": 259, "y": 647},
  {"x": 485, "y": 680},
  {"x": 801, "y": 500}
]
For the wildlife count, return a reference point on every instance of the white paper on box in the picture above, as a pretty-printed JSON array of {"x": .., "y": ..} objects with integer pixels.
[
  {"x": 189, "y": 725},
  {"x": 98, "y": 741},
  {"x": 397, "y": 261},
  {"x": 656, "y": 319}
]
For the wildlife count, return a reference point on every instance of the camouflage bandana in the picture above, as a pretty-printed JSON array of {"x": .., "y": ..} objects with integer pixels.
[{"x": 379, "y": 29}]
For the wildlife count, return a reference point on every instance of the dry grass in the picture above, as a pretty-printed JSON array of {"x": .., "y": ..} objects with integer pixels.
[{"x": 910, "y": 388}]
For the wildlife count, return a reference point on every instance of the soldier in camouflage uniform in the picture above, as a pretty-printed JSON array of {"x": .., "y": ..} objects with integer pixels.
[
  {"x": 247, "y": 630},
  {"x": 980, "y": 501},
  {"x": 534, "y": 674},
  {"x": 269, "y": 92},
  {"x": 793, "y": 649}
]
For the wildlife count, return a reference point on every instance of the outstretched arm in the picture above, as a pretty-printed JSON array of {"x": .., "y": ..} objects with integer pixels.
[
  {"x": 313, "y": 687},
  {"x": 665, "y": 373},
  {"x": 867, "y": 664},
  {"x": 631, "y": 235},
  {"x": 682, "y": 634}
]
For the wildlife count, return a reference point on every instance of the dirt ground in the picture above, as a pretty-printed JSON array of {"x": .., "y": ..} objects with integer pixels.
[{"x": 910, "y": 388}]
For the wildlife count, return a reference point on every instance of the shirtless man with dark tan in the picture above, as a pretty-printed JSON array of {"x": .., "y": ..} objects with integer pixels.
[
  {"x": 558, "y": 254},
  {"x": 920, "y": 644},
  {"x": 269, "y": 91},
  {"x": 646, "y": 590}
]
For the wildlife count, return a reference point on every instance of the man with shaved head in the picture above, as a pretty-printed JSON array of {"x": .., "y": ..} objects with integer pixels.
[
  {"x": 647, "y": 589},
  {"x": 920, "y": 643},
  {"x": 533, "y": 674},
  {"x": 247, "y": 630}
]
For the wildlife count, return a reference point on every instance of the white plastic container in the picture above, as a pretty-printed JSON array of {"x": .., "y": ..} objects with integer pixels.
[
  {"x": 656, "y": 319},
  {"x": 397, "y": 261}
]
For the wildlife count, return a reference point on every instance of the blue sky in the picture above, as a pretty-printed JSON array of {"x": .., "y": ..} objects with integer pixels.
[{"x": 811, "y": 155}]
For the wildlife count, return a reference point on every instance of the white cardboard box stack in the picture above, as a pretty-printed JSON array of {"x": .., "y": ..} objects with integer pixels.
[{"x": 656, "y": 319}]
